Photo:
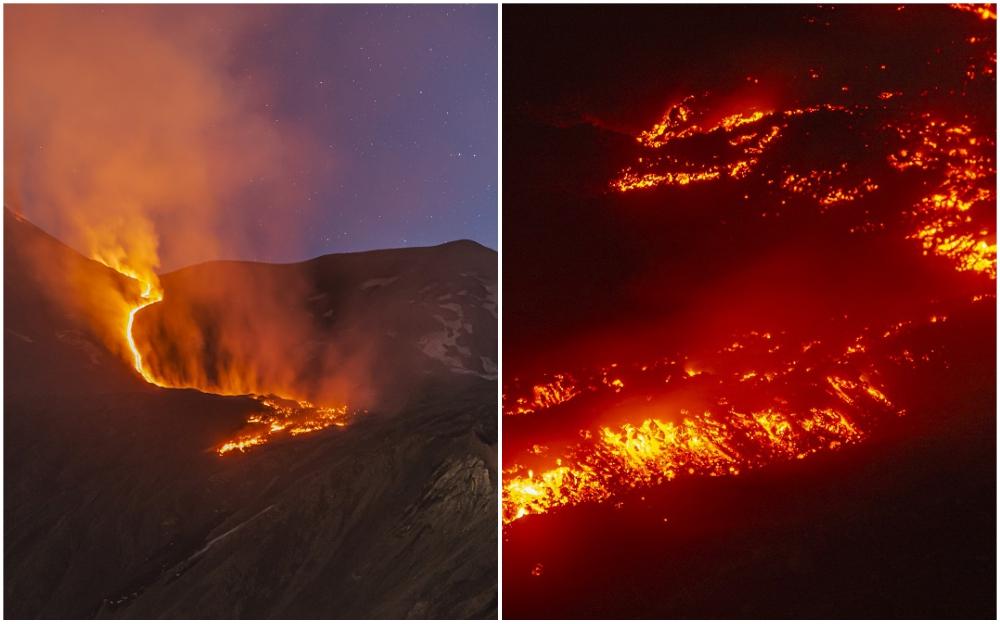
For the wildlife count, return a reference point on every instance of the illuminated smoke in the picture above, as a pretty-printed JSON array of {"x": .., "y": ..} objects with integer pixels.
[{"x": 129, "y": 137}]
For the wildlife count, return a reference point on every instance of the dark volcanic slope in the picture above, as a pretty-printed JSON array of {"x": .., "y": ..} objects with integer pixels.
[
  {"x": 48, "y": 340},
  {"x": 116, "y": 504}
]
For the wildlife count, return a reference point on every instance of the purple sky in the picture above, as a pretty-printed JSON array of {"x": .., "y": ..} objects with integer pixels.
[{"x": 405, "y": 97}]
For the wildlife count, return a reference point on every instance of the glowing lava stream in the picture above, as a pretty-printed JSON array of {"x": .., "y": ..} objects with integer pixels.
[
  {"x": 148, "y": 299},
  {"x": 279, "y": 414}
]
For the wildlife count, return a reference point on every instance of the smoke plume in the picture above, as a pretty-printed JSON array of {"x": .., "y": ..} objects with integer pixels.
[{"x": 131, "y": 136}]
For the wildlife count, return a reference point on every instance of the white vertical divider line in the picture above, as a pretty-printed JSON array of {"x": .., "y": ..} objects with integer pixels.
[{"x": 499, "y": 309}]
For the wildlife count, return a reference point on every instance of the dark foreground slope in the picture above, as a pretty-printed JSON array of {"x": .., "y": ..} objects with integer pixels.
[{"x": 116, "y": 504}]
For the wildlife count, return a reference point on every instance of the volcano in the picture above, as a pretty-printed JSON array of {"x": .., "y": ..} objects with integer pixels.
[
  {"x": 121, "y": 500},
  {"x": 750, "y": 325}
]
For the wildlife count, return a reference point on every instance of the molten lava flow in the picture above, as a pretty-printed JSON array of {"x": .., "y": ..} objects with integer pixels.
[
  {"x": 820, "y": 398},
  {"x": 678, "y": 123},
  {"x": 630, "y": 181},
  {"x": 984, "y": 11},
  {"x": 948, "y": 223},
  {"x": 149, "y": 297},
  {"x": 657, "y": 450},
  {"x": 277, "y": 415},
  {"x": 761, "y": 399},
  {"x": 742, "y": 137},
  {"x": 115, "y": 257},
  {"x": 821, "y": 186},
  {"x": 283, "y": 416},
  {"x": 953, "y": 220},
  {"x": 562, "y": 388}
]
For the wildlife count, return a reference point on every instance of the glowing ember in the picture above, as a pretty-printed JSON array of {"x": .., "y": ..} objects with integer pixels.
[
  {"x": 819, "y": 185},
  {"x": 656, "y": 451},
  {"x": 960, "y": 158},
  {"x": 559, "y": 390},
  {"x": 946, "y": 225},
  {"x": 630, "y": 181},
  {"x": 677, "y": 123},
  {"x": 241, "y": 444},
  {"x": 747, "y": 135},
  {"x": 671, "y": 126},
  {"x": 984, "y": 11}
]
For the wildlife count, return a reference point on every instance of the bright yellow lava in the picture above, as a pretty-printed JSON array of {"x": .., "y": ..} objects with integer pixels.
[
  {"x": 277, "y": 416},
  {"x": 148, "y": 298}
]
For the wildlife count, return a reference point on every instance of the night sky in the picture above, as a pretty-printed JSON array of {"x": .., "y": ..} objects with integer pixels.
[{"x": 405, "y": 100}]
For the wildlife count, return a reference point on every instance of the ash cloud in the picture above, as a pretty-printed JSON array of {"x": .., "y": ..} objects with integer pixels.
[{"x": 129, "y": 137}]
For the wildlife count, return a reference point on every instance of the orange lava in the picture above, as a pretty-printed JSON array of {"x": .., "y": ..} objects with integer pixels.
[
  {"x": 149, "y": 297},
  {"x": 945, "y": 227},
  {"x": 819, "y": 185},
  {"x": 747, "y": 135},
  {"x": 984, "y": 11},
  {"x": 954, "y": 220},
  {"x": 946, "y": 220},
  {"x": 283, "y": 417},
  {"x": 278, "y": 416},
  {"x": 561, "y": 389},
  {"x": 722, "y": 440}
]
